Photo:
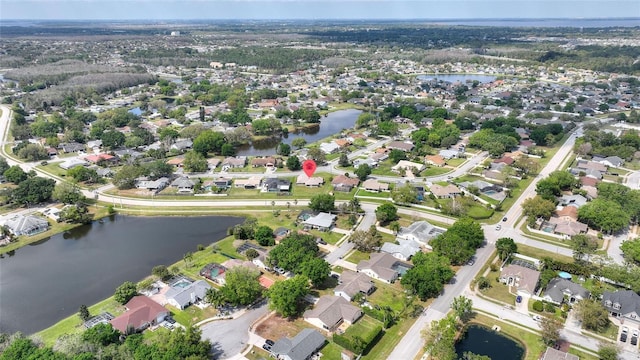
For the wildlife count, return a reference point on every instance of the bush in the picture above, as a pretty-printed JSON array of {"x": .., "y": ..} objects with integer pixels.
[
  {"x": 493, "y": 267},
  {"x": 200, "y": 247},
  {"x": 538, "y": 306},
  {"x": 483, "y": 283},
  {"x": 549, "y": 307}
]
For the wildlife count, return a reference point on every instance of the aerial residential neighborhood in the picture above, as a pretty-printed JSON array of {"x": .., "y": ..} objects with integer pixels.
[{"x": 252, "y": 191}]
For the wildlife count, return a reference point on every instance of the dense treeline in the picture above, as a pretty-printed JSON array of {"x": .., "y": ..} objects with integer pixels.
[
  {"x": 621, "y": 59},
  {"x": 57, "y": 72},
  {"x": 595, "y": 142},
  {"x": 274, "y": 58}
]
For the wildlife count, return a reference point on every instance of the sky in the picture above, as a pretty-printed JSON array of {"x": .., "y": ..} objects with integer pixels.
[{"x": 314, "y": 9}]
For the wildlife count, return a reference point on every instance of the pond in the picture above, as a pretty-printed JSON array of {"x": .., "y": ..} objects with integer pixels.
[
  {"x": 329, "y": 125},
  {"x": 452, "y": 78},
  {"x": 483, "y": 341},
  {"x": 48, "y": 281}
]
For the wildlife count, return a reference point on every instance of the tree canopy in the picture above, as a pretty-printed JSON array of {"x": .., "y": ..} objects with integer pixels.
[
  {"x": 322, "y": 202},
  {"x": 460, "y": 241},
  {"x": 242, "y": 286},
  {"x": 286, "y": 296},
  {"x": 428, "y": 275}
]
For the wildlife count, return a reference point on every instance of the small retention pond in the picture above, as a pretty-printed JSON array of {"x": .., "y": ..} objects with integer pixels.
[{"x": 484, "y": 341}]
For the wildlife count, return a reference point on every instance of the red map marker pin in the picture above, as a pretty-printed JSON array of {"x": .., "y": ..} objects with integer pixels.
[{"x": 309, "y": 167}]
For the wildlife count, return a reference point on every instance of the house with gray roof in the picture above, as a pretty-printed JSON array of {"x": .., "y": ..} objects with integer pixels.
[
  {"x": 525, "y": 280},
  {"x": 576, "y": 200},
  {"x": 323, "y": 221},
  {"x": 450, "y": 154},
  {"x": 403, "y": 250},
  {"x": 71, "y": 147},
  {"x": 353, "y": 283},
  {"x": 622, "y": 304},
  {"x": 152, "y": 185},
  {"x": 73, "y": 162},
  {"x": 560, "y": 289},
  {"x": 383, "y": 267},
  {"x": 300, "y": 347},
  {"x": 182, "y": 145},
  {"x": 182, "y": 295},
  {"x": 332, "y": 311},
  {"x": 132, "y": 154},
  {"x": 553, "y": 354},
  {"x": 329, "y": 148},
  {"x": 183, "y": 184},
  {"x": 26, "y": 225},
  {"x": 420, "y": 231},
  {"x": 400, "y": 145}
]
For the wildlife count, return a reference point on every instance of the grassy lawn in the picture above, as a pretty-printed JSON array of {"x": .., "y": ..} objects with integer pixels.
[
  {"x": 455, "y": 162},
  {"x": 363, "y": 328},
  {"x": 498, "y": 291},
  {"x": 382, "y": 195},
  {"x": 201, "y": 258},
  {"x": 539, "y": 253},
  {"x": 257, "y": 353},
  {"x": 548, "y": 239},
  {"x": 391, "y": 295},
  {"x": 192, "y": 314},
  {"x": 479, "y": 211},
  {"x": 73, "y": 324},
  {"x": 357, "y": 256},
  {"x": 53, "y": 169},
  {"x": 390, "y": 338},
  {"x": 384, "y": 168},
  {"x": 435, "y": 171},
  {"x": 328, "y": 236}
]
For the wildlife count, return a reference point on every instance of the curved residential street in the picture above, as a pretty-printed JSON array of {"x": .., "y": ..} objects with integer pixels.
[{"x": 231, "y": 336}]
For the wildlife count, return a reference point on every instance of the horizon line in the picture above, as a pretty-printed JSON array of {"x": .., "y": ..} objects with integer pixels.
[{"x": 337, "y": 19}]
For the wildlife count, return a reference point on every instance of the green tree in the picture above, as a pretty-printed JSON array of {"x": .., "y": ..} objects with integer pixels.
[
  {"x": 126, "y": 177},
  {"x": 428, "y": 275},
  {"x": 550, "y": 330},
  {"x": 161, "y": 272},
  {"x": 322, "y": 202},
  {"x": 396, "y": 155},
  {"x": 125, "y": 292},
  {"x": 506, "y": 247},
  {"x": 583, "y": 246},
  {"x": 83, "y": 313},
  {"x": 264, "y": 236},
  {"x": 15, "y": 174},
  {"x": 194, "y": 162},
  {"x": 285, "y": 297},
  {"x": 608, "y": 351},
  {"x": 283, "y": 149},
  {"x": 33, "y": 152},
  {"x": 102, "y": 334},
  {"x": 462, "y": 307},
  {"x": 112, "y": 139},
  {"x": 67, "y": 193},
  {"x": 76, "y": 214},
  {"x": 363, "y": 171},
  {"x": 215, "y": 297},
  {"x": 386, "y": 213},
  {"x": 158, "y": 168},
  {"x": 405, "y": 194},
  {"x": 366, "y": 241},
  {"x": 208, "y": 141},
  {"x": 460, "y": 241},
  {"x": 316, "y": 155},
  {"x": 315, "y": 269},
  {"x": 344, "y": 160},
  {"x": 33, "y": 190},
  {"x": 440, "y": 338},
  {"x": 605, "y": 215},
  {"x": 299, "y": 142},
  {"x": 4, "y": 166},
  {"x": 593, "y": 315},
  {"x": 468, "y": 355},
  {"x": 293, "y": 163},
  {"x": 538, "y": 207},
  {"x": 242, "y": 286},
  {"x": 293, "y": 251},
  {"x": 631, "y": 250}
]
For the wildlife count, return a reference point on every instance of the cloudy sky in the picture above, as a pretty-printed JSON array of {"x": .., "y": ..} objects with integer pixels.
[{"x": 315, "y": 9}]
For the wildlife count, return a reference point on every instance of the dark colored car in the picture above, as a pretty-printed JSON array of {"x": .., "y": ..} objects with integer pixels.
[
  {"x": 170, "y": 320},
  {"x": 267, "y": 347},
  {"x": 623, "y": 337},
  {"x": 504, "y": 218},
  {"x": 269, "y": 342}
]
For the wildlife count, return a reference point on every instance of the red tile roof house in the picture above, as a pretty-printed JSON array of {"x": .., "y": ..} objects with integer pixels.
[
  {"x": 101, "y": 157},
  {"x": 141, "y": 313}
]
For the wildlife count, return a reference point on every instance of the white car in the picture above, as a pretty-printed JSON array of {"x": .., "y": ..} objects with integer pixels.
[{"x": 498, "y": 227}]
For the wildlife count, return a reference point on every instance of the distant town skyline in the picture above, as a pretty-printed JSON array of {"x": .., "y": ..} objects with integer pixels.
[{"x": 315, "y": 9}]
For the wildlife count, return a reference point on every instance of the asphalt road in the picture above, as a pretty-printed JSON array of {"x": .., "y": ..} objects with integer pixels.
[{"x": 229, "y": 337}]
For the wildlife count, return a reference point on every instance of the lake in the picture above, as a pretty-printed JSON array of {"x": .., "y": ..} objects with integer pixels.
[
  {"x": 483, "y": 341},
  {"x": 329, "y": 125},
  {"x": 452, "y": 78},
  {"x": 48, "y": 281}
]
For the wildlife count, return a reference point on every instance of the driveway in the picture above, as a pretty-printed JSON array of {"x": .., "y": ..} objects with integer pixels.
[{"x": 229, "y": 337}]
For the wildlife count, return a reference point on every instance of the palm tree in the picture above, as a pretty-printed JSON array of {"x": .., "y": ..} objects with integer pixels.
[{"x": 214, "y": 297}]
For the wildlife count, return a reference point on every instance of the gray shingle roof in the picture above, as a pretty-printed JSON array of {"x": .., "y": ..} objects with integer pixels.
[
  {"x": 628, "y": 300},
  {"x": 301, "y": 346},
  {"x": 558, "y": 287}
]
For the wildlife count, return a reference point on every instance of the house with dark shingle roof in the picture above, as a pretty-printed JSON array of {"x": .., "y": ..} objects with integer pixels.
[
  {"x": 558, "y": 289},
  {"x": 331, "y": 311},
  {"x": 353, "y": 283},
  {"x": 623, "y": 304},
  {"x": 300, "y": 347},
  {"x": 383, "y": 267}
]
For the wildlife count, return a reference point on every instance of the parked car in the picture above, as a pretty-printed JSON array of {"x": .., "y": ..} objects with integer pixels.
[
  {"x": 504, "y": 218},
  {"x": 537, "y": 317},
  {"x": 518, "y": 299},
  {"x": 269, "y": 342},
  {"x": 623, "y": 334},
  {"x": 471, "y": 261},
  {"x": 634, "y": 338},
  {"x": 498, "y": 227},
  {"x": 170, "y": 320},
  {"x": 266, "y": 347}
]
